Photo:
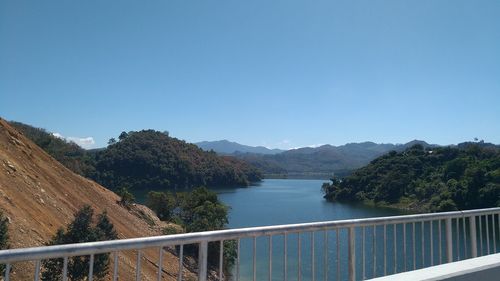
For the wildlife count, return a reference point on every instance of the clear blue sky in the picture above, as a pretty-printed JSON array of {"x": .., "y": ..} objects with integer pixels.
[{"x": 282, "y": 73}]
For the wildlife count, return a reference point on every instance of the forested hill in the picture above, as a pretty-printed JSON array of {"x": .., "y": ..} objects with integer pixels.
[
  {"x": 145, "y": 159},
  {"x": 151, "y": 159},
  {"x": 437, "y": 179}
]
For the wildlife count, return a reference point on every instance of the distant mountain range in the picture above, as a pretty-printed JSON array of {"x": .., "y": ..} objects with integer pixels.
[
  {"x": 229, "y": 147},
  {"x": 308, "y": 162}
]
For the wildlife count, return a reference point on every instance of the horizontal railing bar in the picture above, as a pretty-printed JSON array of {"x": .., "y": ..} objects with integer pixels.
[{"x": 81, "y": 249}]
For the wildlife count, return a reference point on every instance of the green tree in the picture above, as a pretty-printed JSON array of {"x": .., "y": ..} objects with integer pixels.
[
  {"x": 198, "y": 210},
  {"x": 162, "y": 203},
  {"x": 81, "y": 230},
  {"x": 201, "y": 210},
  {"x": 123, "y": 135},
  {"x": 104, "y": 231},
  {"x": 52, "y": 269},
  {"x": 127, "y": 198},
  {"x": 4, "y": 237}
]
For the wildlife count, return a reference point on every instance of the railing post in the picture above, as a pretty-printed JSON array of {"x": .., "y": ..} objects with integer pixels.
[
  {"x": 449, "y": 242},
  {"x": 138, "y": 266},
  {"x": 352, "y": 255},
  {"x": 37, "y": 270},
  {"x": 473, "y": 238},
  {"x": 7, "y": 272},
  {"x": 115, "y": 266},
  {"x": 202, "y": 261}
]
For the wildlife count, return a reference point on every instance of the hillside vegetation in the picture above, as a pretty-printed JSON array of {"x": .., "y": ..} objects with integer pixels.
[
  {"x": 145, "y": 159},
  {"x": 152, "y": 159},
  {"x": 441, "y": 179},
  {"x": 67, "y": 153}
]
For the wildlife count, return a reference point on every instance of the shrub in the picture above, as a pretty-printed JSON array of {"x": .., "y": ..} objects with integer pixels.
[
  {"x": 172, "y": 229},
  {"x": 198, "y": 210},
  {"x": 127, "y": 198},
  {"x": 162, "y": 203},
  {"x": 82, "y": 229}
]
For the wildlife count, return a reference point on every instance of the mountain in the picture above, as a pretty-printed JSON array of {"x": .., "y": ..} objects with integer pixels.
[
  {"x": 228, "y": 147},
  {"x": 466, "y": 176},
  {"x": 323, "y": 161},
  {"x": 150, "y": 159},
  {"x": 38, "y": 195}
]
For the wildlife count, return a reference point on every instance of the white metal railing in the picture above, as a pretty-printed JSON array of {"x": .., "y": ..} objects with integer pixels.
[{"x": 373, "y": 246}]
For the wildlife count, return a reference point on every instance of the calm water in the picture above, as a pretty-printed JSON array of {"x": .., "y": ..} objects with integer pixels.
[{"x": 285, "y": 201}]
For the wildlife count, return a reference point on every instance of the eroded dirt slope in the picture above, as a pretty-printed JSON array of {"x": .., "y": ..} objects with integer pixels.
[{"x": 39, "y": 195}]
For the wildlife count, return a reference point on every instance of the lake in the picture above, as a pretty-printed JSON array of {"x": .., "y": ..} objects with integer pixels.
[{"x": 285, "y": 201}]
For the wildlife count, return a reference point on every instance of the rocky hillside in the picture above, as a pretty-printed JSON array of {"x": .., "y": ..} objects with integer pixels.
[{"x": 39, "y": 195}]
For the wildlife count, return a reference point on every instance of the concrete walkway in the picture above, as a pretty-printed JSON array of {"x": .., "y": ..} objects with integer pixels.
[{"x": 485, "y": 268}]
